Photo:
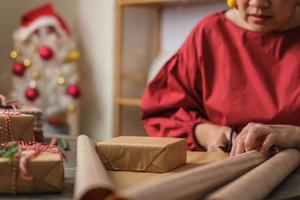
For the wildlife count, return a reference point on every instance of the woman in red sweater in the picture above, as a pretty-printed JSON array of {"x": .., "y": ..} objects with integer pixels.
[{"x": 237, "y": 69}]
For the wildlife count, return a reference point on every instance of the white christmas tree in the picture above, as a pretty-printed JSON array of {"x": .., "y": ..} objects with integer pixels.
[{"x": 45, "y": 67}]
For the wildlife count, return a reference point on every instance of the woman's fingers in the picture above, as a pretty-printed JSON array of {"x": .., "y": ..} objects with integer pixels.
[
  {"x": 240, "y": 147},
  {"x": 237, "y": 146},
  {"x": 265, "y": 137},
  {"x": 234, "y": 144},
  {"x": 250, "y": 138},
  {"x": 269, "y": 141},
  {"x": 230, "y": 144},
  {"x": 234, "y": 136},
  {"x": 237, "y": 142},
  {"x": 233, "y": 149},
  {"x": 255, "y": 137}
]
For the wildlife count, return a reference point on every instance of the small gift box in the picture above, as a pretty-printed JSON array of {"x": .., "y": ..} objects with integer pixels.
[
  {"x": 14, "y": 105},
  {"x": 36, "y": 168},
  {"x": 148, "y": 154},
  {"x": 37, "y": 120},
  {"x": 15, "y": 126}
]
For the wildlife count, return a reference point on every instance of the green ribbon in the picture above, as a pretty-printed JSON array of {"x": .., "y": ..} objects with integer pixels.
[{"x": 9, "y": 151}]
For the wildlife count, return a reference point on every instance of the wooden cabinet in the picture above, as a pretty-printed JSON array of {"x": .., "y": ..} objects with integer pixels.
[{"x": 137, "y": 43}]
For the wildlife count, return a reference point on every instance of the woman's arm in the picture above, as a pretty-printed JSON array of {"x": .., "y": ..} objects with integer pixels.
[{"x": 172, "y": 103}]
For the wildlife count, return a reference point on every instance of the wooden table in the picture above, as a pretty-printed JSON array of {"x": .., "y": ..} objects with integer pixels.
[{"x": 288, "y": 189}]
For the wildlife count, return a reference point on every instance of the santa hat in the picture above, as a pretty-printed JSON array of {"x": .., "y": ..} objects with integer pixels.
[{"x": 40, "y": 17}]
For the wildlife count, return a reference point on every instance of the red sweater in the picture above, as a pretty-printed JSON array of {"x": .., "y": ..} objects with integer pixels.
[{"x": 228, "y": 76}]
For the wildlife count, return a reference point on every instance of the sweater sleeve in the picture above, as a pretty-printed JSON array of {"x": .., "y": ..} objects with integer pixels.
[{"x": 172, "y": 102}]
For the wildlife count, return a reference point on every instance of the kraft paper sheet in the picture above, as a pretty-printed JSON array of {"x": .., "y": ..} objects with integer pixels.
[
  {"x": 258, "y": 176},
  {"x": 126, "y": 179},
  {"x": 197, "y": 182},
  {"x": 92, "y": 181},
  {"x": 259, "y": 182}
]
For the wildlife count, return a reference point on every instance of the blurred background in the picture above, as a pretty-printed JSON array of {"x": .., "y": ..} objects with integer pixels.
[{"x": 122, "y": 44}]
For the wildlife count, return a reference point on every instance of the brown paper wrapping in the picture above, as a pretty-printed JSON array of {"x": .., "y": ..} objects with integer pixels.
[
  {"x": 21, "y": 128},
  {"x": 92, "y": 181},
  {"x": 126, "y": 179},
  {"x": 14, "y": 105},
  {"x": 47, "y": 172},
  {"x": 194, "y": 180},
  {"x": 197, "y": 182},
  {"x": 259, "y": 182},
  {"x": 37, "y": 120},
  {"x": 148, "y": 154}
]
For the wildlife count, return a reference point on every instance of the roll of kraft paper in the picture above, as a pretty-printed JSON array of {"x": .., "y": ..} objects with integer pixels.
[
  {"x": 92, "y": 181},
  {"x": 259, "y": 182},
  {"x": 197, "y": 182}
]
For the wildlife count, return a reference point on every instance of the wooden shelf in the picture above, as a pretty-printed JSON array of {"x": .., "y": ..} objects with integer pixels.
[
  {"x": 161, "y": 2},
  {"x": 149, "y": 25},
  {"x": 135, "y": 77},
  {"x": 128, "y": 101}
]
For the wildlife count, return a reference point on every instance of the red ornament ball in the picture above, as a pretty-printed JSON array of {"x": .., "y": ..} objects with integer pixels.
[
  {"x": 54, "y": 120},
  {"x": 46, "y": 53},
  {"x": 18, "y": 69},
  {"x": 74, "y": 91},
  {"x": 32, "y": 93}
]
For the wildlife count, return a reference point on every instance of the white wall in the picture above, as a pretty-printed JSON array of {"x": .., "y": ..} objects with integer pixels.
[
  {"x": 177, "y": 22},
  {"x": 96, "y": 34}
]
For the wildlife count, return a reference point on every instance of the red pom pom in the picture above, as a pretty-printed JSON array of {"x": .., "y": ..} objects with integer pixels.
[
  {"x": 74, "y": 91},
  {"x": 18, "y": 69},
  {"x": 46, "y": 53},
  {"x": 31, "y": 93}
]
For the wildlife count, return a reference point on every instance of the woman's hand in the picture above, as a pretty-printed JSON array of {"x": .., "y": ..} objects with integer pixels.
[
  {"x": 263, "y": 136},
  {"x": 213, "y": 137}
]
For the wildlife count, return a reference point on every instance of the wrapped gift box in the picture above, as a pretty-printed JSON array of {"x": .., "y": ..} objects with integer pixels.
[
  {"x": 148, "y": 154},
  {"x": 37, "y": 120},
  {"x": 14, "y": 105},
  {"x": 46, "y": 170},
  {"x": 21, "y": 128}
]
